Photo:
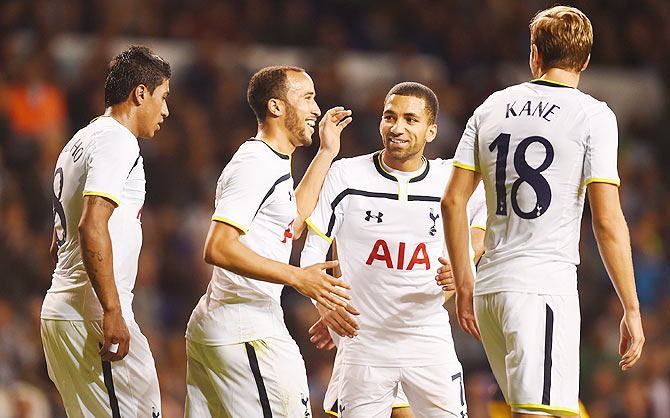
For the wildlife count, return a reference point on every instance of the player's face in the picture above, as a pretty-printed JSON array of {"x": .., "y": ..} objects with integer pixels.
[
  {"x": 155, "y": 110},
  {"x": 301, "y": 108},
  {"x": 405, "y": 128}
]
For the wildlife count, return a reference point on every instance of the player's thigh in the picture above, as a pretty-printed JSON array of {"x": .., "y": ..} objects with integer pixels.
[
  {"x": 489, "y": 320},
  {"x": 367, "y": 392},
  {"x": 435, "y": 391},
  {"x": 258, "y": 378},
  {"x": 542, "y": 343},
  {"x": 90, "y": 387}
]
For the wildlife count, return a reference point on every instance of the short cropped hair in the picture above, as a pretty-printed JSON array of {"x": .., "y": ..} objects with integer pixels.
[
  {"x": 132, "y": 67},
  {"x": 268, "y": 83},
  {"x": 563, "y": 36},
  {"x": 410, "y": 88}
]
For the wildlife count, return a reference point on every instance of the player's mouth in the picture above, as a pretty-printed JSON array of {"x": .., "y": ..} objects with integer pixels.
[
  {"x": 311, "y": 124},
  {"x": 398, "y": 141}
]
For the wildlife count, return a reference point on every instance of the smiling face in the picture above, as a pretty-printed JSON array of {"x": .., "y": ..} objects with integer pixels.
[
  {"x": 405, "y": 128},
  {"x": 301, "y": 108},
  {"x": 153, "y": 110}
]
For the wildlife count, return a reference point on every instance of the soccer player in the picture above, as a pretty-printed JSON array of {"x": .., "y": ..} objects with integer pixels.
[
  {"x": 383, "y": 208},
  {"x": 96, "y": 355},
  {"x": 241, "y": 360},
  {"x": 540, "y": 146}
]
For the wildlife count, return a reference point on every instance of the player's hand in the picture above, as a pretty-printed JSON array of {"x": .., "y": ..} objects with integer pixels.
[
  {"x": 445, "y": 277},
  {"x": 466, "y": 313},
  {"x": 330, "y": 128},
  {"x": 632, "y": 339},
  {"x": 114, "y": 331},
  {"x": 320, "y": 336},
  {"x": 340, "y": 320},
  {"x": 327, "y": 290}
]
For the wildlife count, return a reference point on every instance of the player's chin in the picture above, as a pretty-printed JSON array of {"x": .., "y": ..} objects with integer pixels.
[{"x": 305, "y": 140}]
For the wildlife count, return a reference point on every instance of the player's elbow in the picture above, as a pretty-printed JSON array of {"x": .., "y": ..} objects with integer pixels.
[
  {"x": 449, "y": 204},
  {"x": 607, "y": 226}
]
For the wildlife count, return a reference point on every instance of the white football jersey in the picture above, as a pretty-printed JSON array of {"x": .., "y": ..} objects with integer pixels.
[
  {"x": 254, "y": 194},
  {"x": 537, "y": 145},
  {"x": 389, "y": 236},
  {"x": 101, "y": 159}
]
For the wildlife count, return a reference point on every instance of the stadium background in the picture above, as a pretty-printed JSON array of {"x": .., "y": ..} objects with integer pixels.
[{"x": 53, "y": 56}]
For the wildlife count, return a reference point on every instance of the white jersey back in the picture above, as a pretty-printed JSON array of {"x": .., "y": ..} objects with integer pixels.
[
  {"x": 101, "y": 159},
  {"x": 537, "y": 146},
  {"x": 389, "y": 237},
  {"x": 254, "y": 194}
]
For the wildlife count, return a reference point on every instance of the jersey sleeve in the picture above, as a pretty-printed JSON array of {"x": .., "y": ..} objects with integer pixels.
[
  {"x": 477, "y": 208},
  {"x": 466, "y": 153},
  {"x": 108, "y": 165},
  {"x": 243, "y": 188},
  {"x": 326, "y": 218},
  {"x": 600, "y": 162}
]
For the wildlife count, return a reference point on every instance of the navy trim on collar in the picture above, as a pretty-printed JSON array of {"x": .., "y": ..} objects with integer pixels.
[
  {"x": 376, "y": 158},
  {"x": 550, "y": 84},
  {"x": 279, "y": 154}
]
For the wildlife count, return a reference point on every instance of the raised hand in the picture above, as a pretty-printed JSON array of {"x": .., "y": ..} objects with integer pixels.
[
  {"x": 114, "y": 331},
  {"x": 315, "y": 283},
  {"x": 330, "y": 128}
]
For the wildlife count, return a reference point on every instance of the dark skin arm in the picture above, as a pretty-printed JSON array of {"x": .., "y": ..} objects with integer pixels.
[{"x": 96, "y": 253}]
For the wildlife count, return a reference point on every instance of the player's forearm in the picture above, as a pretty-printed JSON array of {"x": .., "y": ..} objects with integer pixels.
[
  {"x": 96, "y": 254},
  {"x": 614, "y": 245},
  {"x": 236, "y": 257},
  {"x": 456, "y": 232},
  {"x": 307, "y": 192}
]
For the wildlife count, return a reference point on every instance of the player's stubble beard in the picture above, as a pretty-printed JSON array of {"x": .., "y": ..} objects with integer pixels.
[{"x": 293, "y": 125}]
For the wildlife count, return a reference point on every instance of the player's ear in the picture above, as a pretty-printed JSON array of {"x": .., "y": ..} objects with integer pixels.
[
  {"x": 586, "y": 63},
  {"x": 275, "y": 107},
  {"x": 431, "y": 133},
  {"x": 139, "y": 93}
]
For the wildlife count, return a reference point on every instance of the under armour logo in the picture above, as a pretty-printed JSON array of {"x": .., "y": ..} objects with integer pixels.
[
  {"x": 290, "y": 196},
  {"x": 154, "y": 412},
  {"x": 434, "y": 218},
  {"x": 369, "y": 216},
  {"x": 342, "y": 408}
]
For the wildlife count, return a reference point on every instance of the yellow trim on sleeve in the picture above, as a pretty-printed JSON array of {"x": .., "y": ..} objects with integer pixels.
[
  {"x": 554, "y": 410},
  {"x": 400, "y": 405},
  {"x": 467, "y": 167},
  {"x": 105, "y": 195},
  {"x": 324, "y": 236},
  {"x": 610, "y": 181},
  {"x": 229, "y": 222},
  {"x": 478, "y": 227},
  {"x": 329, "y": 412}
]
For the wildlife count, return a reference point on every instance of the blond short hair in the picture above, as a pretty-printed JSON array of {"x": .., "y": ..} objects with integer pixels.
[{"x": 563, "y": 36}]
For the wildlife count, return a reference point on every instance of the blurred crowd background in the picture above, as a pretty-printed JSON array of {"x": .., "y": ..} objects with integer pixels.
[{"x": 53, "y": 57}]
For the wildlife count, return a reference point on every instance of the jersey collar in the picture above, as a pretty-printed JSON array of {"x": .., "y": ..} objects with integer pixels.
[
  {"x": 279, "y": 154},
  {"x": 550, "y": 83},
  {"x": 377, "y": 159}
]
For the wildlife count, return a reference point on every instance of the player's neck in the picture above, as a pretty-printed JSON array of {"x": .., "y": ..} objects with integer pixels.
[
  {"x": 562, "y": 76},
  {"x": 124, "y": 115},
  {"x": 276, "y": 138},
  {"x": 410, "y": 165}
]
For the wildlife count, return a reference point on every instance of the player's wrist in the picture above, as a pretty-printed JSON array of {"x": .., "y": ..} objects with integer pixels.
[{"x": 328, "y": 152}]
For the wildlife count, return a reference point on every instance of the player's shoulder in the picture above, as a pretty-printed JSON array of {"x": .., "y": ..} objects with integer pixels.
[
  {"x": 109, "y": 134},
  {"x": 353, "y": 167},
  {"x": 254, "y": 153},
  {"x": 593, "y": 107},
  {"x": 440, "y": 166}
]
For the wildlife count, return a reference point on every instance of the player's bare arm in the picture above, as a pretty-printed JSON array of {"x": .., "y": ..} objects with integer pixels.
[
  {"x": 223, "y": 249},
  {"x": 307, "y": 192},
  {"x": 53, "y": 249},
  {"x": 455, "y": 220},
  {"x": 611, "y": 231},
  {"x": 96, "y": 253}
]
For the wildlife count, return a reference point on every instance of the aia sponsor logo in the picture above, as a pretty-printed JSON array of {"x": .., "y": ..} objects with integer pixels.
[
  {"x": 381, "y": 253},
  {"x": 288, "y": 233}
]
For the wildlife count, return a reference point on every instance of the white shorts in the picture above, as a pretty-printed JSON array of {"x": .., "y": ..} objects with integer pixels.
[
  {"x": 330, "y": 399},
  {"x": 532, "y": 343},
  {"x": 93, "y": 388},
  {"x": 432, "y": 391},
  {"x": 262, "y": 378}
]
